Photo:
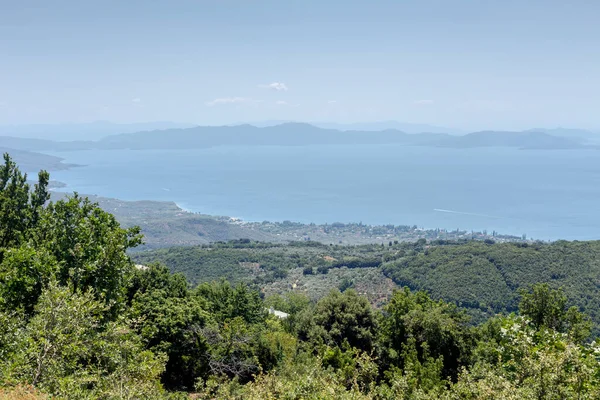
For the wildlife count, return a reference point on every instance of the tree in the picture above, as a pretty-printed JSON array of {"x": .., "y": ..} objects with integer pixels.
[
  {"x": 292, "y": 303},
  {"x": 167, "y": 317},
  {"x": 226, "y": 302},
  {"x": 90, "y": 247},
  {"x": 547, "y": 308},
  {"x": 169, "y": 325},
  {"x": 19, "y": 205},
  {"x": 231, "y": 349},
  {"x": 24, "y": 273},
  {"x": 158, "y": 277},
  {"x": 437, "y": 328},
  {"x": 514, "y": 359},
  {"x": 66, "y": 350},
  {"x": 338, "y": 318},
  {"x": 308, "y": 270},
  {"x": 345, "y": 284}
]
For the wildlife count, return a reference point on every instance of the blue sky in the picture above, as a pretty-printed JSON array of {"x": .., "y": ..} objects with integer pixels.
[{"x": 469, "y": 64}]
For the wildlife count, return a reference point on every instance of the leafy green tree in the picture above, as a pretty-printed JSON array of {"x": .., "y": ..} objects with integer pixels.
[
  {"x": 231, "y": 349},
  {"x": 305, "y": 379},
  {"x": 90, "y": 247},
  {"x": 547, "y": 308},
  {"x": 158, "y": 277},
  {"x": 12, "y": 342},
  {"x": 421, "y": 377},
  {"x": 226, "y": 302},
  {"x": 438, "y": 330},
  {"x": 24, "y": 273},
  {"x": 169, "y": 324},
  {"x": 274, "y": 345},
  {"x": 522, "y": 361},
  {"x": 66, "y": 350},
  {"x": 72, "y": 241},
  {"x": 345, "y": 284},
  {"x": 338, "y": 318},
  {"x": 19, "y": 205},
  {"x": 356, "y": 368},
  {"x": 292, "y": 303}
]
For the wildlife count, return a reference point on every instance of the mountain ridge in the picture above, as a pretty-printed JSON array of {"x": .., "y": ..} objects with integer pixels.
[{"x": 301, "y": 134}]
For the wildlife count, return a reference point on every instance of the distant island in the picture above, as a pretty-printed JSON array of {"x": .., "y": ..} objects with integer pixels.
[{"x": 302, "y": 134}]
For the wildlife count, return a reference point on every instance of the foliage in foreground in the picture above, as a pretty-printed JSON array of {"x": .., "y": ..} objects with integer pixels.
[{"x": 79, "y": 321}]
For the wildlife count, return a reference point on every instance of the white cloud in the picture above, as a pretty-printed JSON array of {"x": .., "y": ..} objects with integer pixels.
[
  {"x": 136, "y": 102},
  {"x": 424, "y": 102},
  {"x": 278, "y": 86},
  {"x": 230, "y": 100},
  {"x": 332, "y": 102}
]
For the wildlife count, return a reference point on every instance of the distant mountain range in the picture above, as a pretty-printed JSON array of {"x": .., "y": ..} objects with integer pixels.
[
  {"x": 301, "y": 134},
  {"x": 370, "y": 126},
  {"x": 523, "y": 140},
  {"x": 581, "y": 135}
]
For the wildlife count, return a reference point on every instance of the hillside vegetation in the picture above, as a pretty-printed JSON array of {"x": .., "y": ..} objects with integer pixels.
[
  {"x": 484, "y": 278},
  {"x": 488, "y": 276},
  {"x": 79, "y": 320}
]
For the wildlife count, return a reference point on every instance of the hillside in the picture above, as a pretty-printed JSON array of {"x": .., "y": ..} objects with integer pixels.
[
  {"x": 308, "y": 267},
  {"x": 33, "y": 162},
  {"x": 481, "y": 277},
  {"x": 488, "y": 277}
]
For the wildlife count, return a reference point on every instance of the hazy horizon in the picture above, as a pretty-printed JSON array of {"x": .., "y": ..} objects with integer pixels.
[{"x": 467, "y": 65}]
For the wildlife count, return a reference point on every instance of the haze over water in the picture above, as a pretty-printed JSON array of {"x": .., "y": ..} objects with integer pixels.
[{"x": 543, "y": 194}]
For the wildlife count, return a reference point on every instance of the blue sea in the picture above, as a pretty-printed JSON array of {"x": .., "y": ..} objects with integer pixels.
[{"x": 543, "y": 194}]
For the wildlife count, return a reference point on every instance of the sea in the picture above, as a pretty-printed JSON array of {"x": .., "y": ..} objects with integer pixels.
[{"x": 543, "y": 194}]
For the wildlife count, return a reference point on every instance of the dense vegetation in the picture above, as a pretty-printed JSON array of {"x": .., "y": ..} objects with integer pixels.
[
  {"x": 482, "y": 277},
  {"x": 488, "y": 277},
  {"x": 79, "y": 320},
  {"x": 244, "y": 260}
]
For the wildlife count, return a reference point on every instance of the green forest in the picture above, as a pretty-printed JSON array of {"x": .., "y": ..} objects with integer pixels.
[
  {"x": 481, "y": 277},
  {"x": 81, "y": 319}
]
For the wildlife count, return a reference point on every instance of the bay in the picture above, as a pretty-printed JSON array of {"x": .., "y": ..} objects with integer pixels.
[{"x": 544, "y": 194}]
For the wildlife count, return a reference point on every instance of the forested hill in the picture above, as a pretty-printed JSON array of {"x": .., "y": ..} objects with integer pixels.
[
  {"x": 483, "y": 277},
  {"x": 488, "y": 277},
  {"x": 79, "y": 320}
]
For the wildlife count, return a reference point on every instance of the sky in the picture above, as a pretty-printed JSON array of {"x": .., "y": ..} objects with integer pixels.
[{"x": 467, "y": 64}]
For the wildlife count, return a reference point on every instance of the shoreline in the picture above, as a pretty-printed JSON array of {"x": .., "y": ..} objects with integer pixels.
[
  {"x": 150, "y": 212},
  {"x": 386, "y": 232}
]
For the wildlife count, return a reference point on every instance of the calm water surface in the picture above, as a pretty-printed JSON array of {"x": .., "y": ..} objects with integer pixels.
[{"x": 544, "y": 194}]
